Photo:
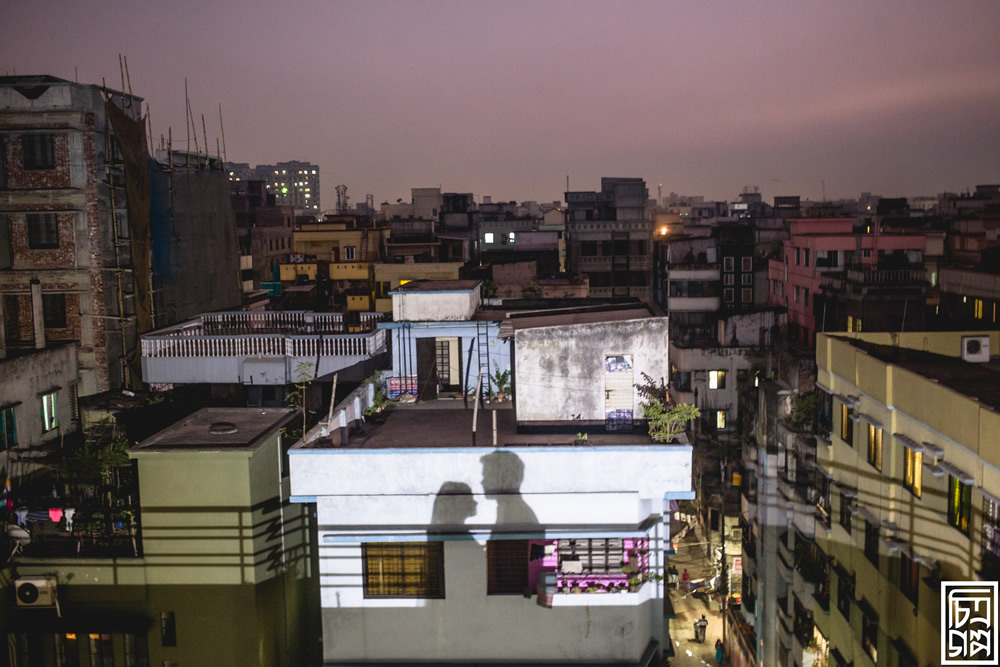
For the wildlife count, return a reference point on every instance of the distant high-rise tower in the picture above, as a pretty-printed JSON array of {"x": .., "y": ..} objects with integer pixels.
[{"x": 292, "y": 184}]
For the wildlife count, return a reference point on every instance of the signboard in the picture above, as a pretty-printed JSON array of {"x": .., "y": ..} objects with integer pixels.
[
  {"x": 402, "y": 385},
  {"x": 738, "y": 565}
]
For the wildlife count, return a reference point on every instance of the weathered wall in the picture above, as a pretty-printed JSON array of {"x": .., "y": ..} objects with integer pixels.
[
  {"x": 567, "y": 362},
  {"x": 435, "y": 306}
]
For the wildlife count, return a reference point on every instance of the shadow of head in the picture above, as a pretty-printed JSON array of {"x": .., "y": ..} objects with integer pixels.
[
  {"x": 503, "y": 472},
  {"x": 453, "y": 504}
]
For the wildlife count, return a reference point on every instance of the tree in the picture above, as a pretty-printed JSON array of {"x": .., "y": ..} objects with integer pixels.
[{"x": 667, "y": 424}]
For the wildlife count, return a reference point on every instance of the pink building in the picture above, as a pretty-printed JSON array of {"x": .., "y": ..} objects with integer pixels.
[{"x": 825, "y": 245}]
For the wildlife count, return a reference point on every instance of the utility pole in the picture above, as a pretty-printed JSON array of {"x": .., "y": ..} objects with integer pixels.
[{"x": 724, "y": 576}]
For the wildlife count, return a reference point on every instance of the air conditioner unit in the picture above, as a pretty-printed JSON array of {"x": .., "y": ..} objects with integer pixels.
[
  {"x": 736, "y": 534},
  {"x": 976, "y": 348},
  {"x": 35, "y": 591}
]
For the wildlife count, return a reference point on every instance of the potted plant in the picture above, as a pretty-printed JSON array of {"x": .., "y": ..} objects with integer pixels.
[{"x": 501, "y": 380}]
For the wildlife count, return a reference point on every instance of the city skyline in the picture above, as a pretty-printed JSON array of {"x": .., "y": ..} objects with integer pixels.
[{"x": 508, "y": 99}]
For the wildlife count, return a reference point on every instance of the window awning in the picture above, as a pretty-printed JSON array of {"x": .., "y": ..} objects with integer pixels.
[
  {"x": 825, "y": 390},
  {"x": 933, "y": 469},
  {"x": 990, "y": 497},
  {"x": 849, "y": 401},
  {"x": 865, "y": 513},
  {"x": 933, "y": 450},
  {"x": 871, "y": 420},
  {"x": 908, "y": 442},
  {"x": 846, "y": 490},
  {"x": 955, "y": 471}
]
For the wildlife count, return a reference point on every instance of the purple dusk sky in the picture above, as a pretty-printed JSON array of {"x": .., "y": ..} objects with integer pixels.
[{"x": 896, "y": 97}]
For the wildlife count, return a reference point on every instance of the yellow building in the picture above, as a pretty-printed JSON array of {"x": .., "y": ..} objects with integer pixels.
[
  {"x": 337, "y": 242},
  {"x": 908, "y": 463},
  {"x": 390, "y": 276}
]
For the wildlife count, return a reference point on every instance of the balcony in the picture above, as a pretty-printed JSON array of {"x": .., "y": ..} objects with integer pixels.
[{"x": 257, "y": 347}]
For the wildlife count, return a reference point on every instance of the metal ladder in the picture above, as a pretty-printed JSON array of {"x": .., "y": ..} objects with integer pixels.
[{"x": 483, "y": 336}]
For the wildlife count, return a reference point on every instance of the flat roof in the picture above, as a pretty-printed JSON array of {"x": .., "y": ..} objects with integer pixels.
[
  {"x": 219, "y": 429},
  {"x": 447, "y": 423},
  {"x": 977, "y": 381}
]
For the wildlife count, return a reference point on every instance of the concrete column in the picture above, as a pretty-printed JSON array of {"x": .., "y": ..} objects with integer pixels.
[{"x": 37, "y": 314}]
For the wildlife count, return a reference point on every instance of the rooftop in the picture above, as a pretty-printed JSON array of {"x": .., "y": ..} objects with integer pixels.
[
  {"x": 437, "y": 286},
  {"x": 447, "y": 423},
  {"x": 219, "y": 429},
  {"x": 978, "y": 381}
]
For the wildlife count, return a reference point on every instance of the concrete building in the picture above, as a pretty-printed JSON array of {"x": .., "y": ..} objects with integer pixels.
[
  {"x": 97, "y": 245},
  {"x": 264, "y": 230},
  {"x": 543, "y": 548},
  {"x": 293, "y": 183},
  {"x": 609, "y": 236},
  {"x": 219, "y": 570}
]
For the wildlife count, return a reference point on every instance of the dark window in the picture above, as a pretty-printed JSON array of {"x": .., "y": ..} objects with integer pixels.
[
  {"x": 909, "y": 577},
  {"x": 824, "y": 414},
  {"x": 3, "y": 163},
  {"x": 869, "y": 635},
  {"x": 54, "y": 311},
  {"x": 959, "y": 504},
  {"x": 805, "y": 252},
  {"x": 8, "y": 428},
  {"x": 43, "y": 231},
  {"x": 38, "y": 153},
  {"x": 101, "y": 651},
  {"x": 136, "y": 651},
  {"x": 67, "y": 650},
  {"x": 991, "y": 539},
  {"x": 871, "y": 542},
  {"x": 168, "y": 629},
  {"x": 845, "y": 512},
  {"x": 845, "y": 595},
  {"x": 506, "y": 567},
  {"x": 403, "y": 569},
  {"x": 6, "y": 249},
  {"x": 747, "y": 263},
  {"x": 728, "y": 263}
]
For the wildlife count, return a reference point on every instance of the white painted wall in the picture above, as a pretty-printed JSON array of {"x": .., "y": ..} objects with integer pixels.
[
  {"x": 559, "y": 371},
  {"x": 435, "y": 306}
]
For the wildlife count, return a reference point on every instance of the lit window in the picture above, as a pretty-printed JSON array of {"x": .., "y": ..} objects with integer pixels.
[
  {"x": 875, "y": 446},
  {"x": 8, "y": 428},
  {"x": 403, "y": 569},
  {"x": 959, "y": 504},
  {"x": 978, "y": 309},
  {"x": 850, "y": 324},
  {"x": 859, "y": 325},
  {"x": 717, "y": 379},
  {"x": 488, "y": 237},
  {"x": 912, "y": 471},
  {"x": 510, "y": 237},
  {"x": 846, "y": 424},
  {"x": 314, "y": 171},
  {"x": 720, "y": 419},
  {"x": 49, "y": 420}
]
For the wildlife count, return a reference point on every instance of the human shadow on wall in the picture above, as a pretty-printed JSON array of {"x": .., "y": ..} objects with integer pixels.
[
  {"x": 453, "y": 505},
  {"x": 503, "y": 473}
]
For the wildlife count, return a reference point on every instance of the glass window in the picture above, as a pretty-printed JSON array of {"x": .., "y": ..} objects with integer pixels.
[
  {"x": 350, "y": 252},
  {"x": 746, "y": 279},
  {"x": 797, "y": 293},
  {"x": 43, "y": 231},
  {"x": 720, "y": 419},
  {"x": 871, "y": 542},
  {"x": 403, "y": 569},
  {"x": 488, "y": 237},
  {"x": 49, "y": 419},
  {"x": 54, "y": 311},
  {"x": 136, "y": 651},
  {"x": 912, "y": 470},
  {"x": 38, "y": 152},
  {"x": 875, "y": 446},
  {"x": 747, "y": 264},
  {"x": 845, "y": 595},
  {"x": 909, "y": 577},
  {"x": 959, "y": 503},
  {"x": 845, "y": 512},
  {"x": 747, "y": 295},
  {"x": 805, "y": 255},
  {"x": 67, "y": 650},
  {"x": 846, "y": 424},
  {"x": 168, "y": 629},
  {"x": 798, "y": 256},
  {"x": 869, "y": 636},
  {"x": 8, "y": 428},
  {"x": 728, "y": 294},
  {"x": 506, "y": 567},
  {"x": 728, "y": 279},
  {"x": 717, "y": 379},
  {"x": 728, "y": 263},
  {"x": 824, "y": 414},
  {"x": 101, "y": 652}
]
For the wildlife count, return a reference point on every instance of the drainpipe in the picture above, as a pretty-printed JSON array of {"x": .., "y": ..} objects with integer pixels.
[{"x": 37, "y": 313}]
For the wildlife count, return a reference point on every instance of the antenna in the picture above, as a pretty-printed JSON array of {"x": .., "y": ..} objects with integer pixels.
[{"x": 223, "y": 129}]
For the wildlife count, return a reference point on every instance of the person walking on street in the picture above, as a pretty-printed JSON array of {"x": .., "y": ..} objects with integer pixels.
[
  {"x": 685, "y": 579},
  {"x": 719, "y": 646}
]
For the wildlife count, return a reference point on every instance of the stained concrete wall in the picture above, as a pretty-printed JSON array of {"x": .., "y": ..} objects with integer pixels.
[
  {"x": 435, "y": 306},
  {"x": 559, "y": 372}
]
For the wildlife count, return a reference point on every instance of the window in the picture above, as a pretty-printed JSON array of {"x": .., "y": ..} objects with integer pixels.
[
  {"x": 858, "y": 327},
  {"x": 847, "y": 424},
  {"x": 101, "y": 651},
  {"x": 38, "y": 153},
  {"x": 959, "y": 503},
  {"x": 506, "y": 567},
  {"x": 728, "y": 263},
  {"x": 798, "y": 256},
  {"x": 805, "y": 295},
  {"x": 850, "y": 324},
  {"x": 442, "y": 349},
  {"x": 746, "y": 279},
  {"x": 869, "y": 634},
  {"x": 717, "y": 379},
  {"x": 3, "y": 163},
  {"x": 8, "y": 428},
  {"x": 990, "y": 542},
  {"x": 49, "y": 420},
  {"x": 805, "y": 254},
  {"x": 912, "y": 470},
  {"x": 168, "y": 629},
  {"x": 720, "y": 419},
  {"x": 866, "y": 253},
  {"x": 875, "y": 446},
  {"x": 824, "y": 414},
  {"x": 510, "y": 237},
  {"x": 67, "y": 652},
  {"x": 747, "y": 295},
  {"x": 54, "y": 311},
  {"x": 909, "y": 576},
  {"x": 403, "y": 569},
  {"x": 871, "y": 542},
  {"x": 488, "y": 237},
  {"x": 797, "y": 293},
  {"x": 978, "y": 303},
  {"x": 845, "y": 512},
  {"x": 747, "y": 263},
  {"x": 6, "y": 246},
  {"x": 43, "y": 231},
  {"x": 728, "y": 279},
  {"x": 728, "y": 294},
  {"x": 845, "y": 595},
  {"x": 350, "y": 252},
  {"x": 136, "y": 651}
]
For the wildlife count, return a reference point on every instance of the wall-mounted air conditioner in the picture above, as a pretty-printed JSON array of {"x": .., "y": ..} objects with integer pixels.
[
  {"x": 976, "y": 348},
  {"x": 35, "y": 591},
  {"x": 736, "y": 534}
]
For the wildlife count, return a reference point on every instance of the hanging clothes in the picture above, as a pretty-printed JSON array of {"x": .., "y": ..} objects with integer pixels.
[{"x": 55, "y": 514}]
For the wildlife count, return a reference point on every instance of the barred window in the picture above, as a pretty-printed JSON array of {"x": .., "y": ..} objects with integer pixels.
[
  {"x": 43, "y": 230},
  {"x": 38, "y": 152},
  {"x": 403, "y": 569},
  {"x": 506, "y": 567}
]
